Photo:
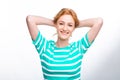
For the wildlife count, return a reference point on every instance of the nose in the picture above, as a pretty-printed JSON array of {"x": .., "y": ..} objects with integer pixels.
[{"x": 64, "y": 27}]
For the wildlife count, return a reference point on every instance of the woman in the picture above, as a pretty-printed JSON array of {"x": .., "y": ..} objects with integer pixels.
[{"x": 62, "y": 60}]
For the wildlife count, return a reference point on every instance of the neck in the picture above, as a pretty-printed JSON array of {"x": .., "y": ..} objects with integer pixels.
[{"x": 62, "y": 43}]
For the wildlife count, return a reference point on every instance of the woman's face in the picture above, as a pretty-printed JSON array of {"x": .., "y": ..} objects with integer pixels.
[{"x": 65, "y": 27}]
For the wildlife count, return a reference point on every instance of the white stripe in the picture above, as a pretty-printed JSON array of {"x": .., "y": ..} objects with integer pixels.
[
  {"x": 72, "y": 70},
  {"x": 76, "y": 44},
  {"x": 83, "y": 47},
  {"x": 74, "y": 51},
  {"x": 86, "y": 41},
  {"x": 74, "y": 57},
  {"x": 61, "y": 75},
  {"x": 61, "y": 50},
  {"x": 45, "y": 45},
  {"x": 48, "y": 45},
  {"x": 37, "y": 41},
  {"x": 42, "y": 46},
  {"x": 61, "y": 56},
  {"x": 77, "y": 78},
  {"x": 60, "y": 64},
  {"x": 49, "y": 51},
  {"x": 41, "y": 41},
  {"x": 38, "y": 47},
  {"x": 49, "y": 58},
  {"x": 41, "y": 51},
  {"x": 52, "y": 47}
]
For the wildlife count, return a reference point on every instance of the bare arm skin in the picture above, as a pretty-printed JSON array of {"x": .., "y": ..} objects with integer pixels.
[
  {"x": 95, "y": 24},
  {"x": 33, "y": 21}
]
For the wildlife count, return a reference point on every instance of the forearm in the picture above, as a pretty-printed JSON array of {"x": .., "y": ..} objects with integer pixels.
[
  {"x": 89, "y": 22},
  {"x": 39, "y": 20}
]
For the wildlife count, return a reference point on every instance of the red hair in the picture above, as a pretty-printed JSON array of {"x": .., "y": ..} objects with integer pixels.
[{"x": 67, "y": 11}]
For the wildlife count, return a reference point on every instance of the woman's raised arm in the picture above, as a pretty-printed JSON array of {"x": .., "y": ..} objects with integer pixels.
[
  {"x": 95, "y": 24},
  {"x": 33, "y": 21}
]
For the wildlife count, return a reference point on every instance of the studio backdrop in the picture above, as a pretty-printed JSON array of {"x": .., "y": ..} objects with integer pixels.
[{"x": 19, "y": 59}]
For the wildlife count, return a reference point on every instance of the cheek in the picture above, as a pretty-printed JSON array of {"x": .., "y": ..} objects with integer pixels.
[
  {"x": 58, "y": 27},
  {"x": 71, "y": 29}
]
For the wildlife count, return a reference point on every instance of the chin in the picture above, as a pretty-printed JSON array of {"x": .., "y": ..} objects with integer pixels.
[{"x": 64, "y": 38}]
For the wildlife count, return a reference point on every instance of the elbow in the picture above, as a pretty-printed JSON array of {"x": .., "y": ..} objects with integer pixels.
[
  {"x": 29, "y": 19},
  {"x": 100, "y": 21}
]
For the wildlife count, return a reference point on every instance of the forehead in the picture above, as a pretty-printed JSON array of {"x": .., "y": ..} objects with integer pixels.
[{"x": 66, "y": 18}]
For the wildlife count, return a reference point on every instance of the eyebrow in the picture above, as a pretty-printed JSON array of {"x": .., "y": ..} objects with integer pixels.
[{"x": 68, "y": 22}]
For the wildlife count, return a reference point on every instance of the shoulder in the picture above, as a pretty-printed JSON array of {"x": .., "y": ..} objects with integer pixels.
[
  {"x": 74, "y": 44},
  {"x": 50, "y": 43}
]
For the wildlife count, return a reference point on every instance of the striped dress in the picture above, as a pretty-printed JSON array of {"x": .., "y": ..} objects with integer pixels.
[{"x": 61, "y": 63}]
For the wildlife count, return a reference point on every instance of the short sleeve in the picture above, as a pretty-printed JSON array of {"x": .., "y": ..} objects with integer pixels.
[
  {"x": 84, "y": 44},
  {"x": 40, "y": 43}
]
